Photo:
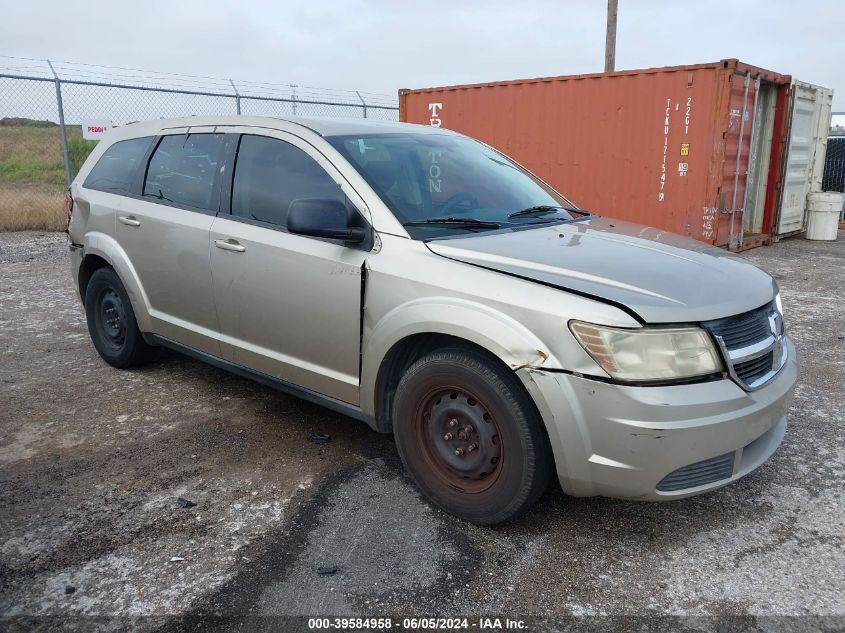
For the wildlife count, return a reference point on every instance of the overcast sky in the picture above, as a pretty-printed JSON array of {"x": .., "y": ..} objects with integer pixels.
[{"x": 380, "y": 46}]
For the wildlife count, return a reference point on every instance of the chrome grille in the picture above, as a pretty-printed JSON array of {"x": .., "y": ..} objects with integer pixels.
[
  {"x": 753, "y": 345},
  {"x": 744, "y": 329},
  {"x": 751, "y": 370}
]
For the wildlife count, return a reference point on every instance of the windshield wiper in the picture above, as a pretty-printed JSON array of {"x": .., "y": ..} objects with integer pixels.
[
  {"x": 540, "y": 209},
  {"x": 468, "y": 223}
]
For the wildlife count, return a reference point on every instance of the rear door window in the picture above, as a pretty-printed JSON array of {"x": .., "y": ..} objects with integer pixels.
[
  {"x": 270, "y": 174},
  {"x": 116, "y": 169},
  {"x": 182, "y": 170}
]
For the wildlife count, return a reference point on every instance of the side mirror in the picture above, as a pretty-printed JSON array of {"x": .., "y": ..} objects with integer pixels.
[{"x": 319, "y": 217}]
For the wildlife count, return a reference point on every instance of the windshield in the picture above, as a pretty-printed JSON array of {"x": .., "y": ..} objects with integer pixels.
[{"x": 439, "y": 184}]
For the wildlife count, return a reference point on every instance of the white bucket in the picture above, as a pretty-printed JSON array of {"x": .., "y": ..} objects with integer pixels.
[{"x": 823, "y": 209}]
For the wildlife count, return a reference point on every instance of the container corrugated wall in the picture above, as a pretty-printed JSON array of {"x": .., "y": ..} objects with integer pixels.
[{"x": 656, "y": 146}]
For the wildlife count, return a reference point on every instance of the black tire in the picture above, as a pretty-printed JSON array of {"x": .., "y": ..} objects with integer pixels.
[
  {"x": 111, "y": 322},
  {"x": 503, "y": 476}
]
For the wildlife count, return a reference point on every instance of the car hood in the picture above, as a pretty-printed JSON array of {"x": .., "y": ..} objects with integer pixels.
[{"x": 662, "y": 277}]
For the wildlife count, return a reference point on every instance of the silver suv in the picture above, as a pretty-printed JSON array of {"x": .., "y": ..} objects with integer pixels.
[{"x": 428, "y": 285}]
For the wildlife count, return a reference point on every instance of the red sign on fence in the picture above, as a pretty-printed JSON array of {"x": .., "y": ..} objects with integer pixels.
[{"x": 94, "y": 130}]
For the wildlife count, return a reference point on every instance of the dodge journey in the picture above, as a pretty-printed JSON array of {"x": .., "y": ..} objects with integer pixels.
[{"x": 425, "y": 283}]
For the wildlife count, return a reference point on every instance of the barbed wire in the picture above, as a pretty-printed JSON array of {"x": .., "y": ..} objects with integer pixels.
[{"x": 119, "y": 75}]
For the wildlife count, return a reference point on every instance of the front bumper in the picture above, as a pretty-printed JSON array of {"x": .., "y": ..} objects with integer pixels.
[{"x": 620, "y": 441}]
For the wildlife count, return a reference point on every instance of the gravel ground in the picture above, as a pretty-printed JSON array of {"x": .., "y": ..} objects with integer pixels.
[{"x": 93, "y": 459}]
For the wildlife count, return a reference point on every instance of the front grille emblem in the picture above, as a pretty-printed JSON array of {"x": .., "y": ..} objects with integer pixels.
[
  {"x": 753, "y": 345},
  {"x": 774, "y": 324}
]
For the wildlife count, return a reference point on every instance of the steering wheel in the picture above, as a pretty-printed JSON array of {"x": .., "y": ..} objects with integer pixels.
[{"x": 462, "y": 197}]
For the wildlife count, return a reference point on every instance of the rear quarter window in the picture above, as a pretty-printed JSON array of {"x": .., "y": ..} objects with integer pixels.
[{"x": 115, "y": 170}]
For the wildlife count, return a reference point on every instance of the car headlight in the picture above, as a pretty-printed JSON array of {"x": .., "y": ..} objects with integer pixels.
[
  {"x": 649, "y": 353},
  {"x": 779, "y": 304}
]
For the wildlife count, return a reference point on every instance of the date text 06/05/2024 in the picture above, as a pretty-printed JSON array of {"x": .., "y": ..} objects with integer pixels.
[{"x": 416, "y": 624}]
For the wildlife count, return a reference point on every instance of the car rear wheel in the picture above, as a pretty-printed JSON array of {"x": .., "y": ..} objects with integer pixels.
[
  {"x": 111, "y": 322},
  {"x": 470, "y": 436}
]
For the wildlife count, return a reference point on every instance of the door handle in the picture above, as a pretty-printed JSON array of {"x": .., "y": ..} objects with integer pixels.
[
  {"x": 230, "y": 245},
  {"x": 129, "y": 220}
]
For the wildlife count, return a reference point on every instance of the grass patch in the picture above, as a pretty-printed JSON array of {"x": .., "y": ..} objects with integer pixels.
[
  {"x": 32, "y": 172},
  {"x": 31, "y": 143},
  {"x": 27, "y": 207},
  {"x": 32, "y": 175},
  {"x": 78, "y": 150}
]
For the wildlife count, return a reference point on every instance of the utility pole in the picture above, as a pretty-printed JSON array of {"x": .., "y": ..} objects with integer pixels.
[{"x": 610, "y": 39}]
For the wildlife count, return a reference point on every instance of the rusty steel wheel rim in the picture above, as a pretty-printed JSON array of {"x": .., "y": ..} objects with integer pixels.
[
  {"x": 111, "y": 317},
  {"x": 459, "y": 439}
]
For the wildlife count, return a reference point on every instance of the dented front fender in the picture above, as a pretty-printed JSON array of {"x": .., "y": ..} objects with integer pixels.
[{"x": 477, "y": 323}]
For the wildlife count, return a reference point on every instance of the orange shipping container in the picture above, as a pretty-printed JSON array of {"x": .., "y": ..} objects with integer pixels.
[{"x": 695, "y": 150}]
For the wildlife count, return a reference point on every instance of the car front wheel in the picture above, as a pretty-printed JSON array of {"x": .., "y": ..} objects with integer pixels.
[{"x": 470, "y": 436}]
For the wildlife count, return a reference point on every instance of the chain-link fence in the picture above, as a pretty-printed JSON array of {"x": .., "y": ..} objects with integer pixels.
[
  {"x": 43, "y": 106},
  {"x": 834, "y": 165}
]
